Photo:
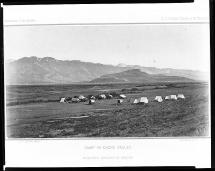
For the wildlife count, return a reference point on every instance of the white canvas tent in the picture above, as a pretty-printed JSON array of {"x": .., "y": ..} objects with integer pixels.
[
  {"x": 143, "y": 100},
  {"x": 122, "y": 96},
  {"x": 63, "y": 100},
  {"x": 174, "y": 97},
  {"x": 91, "y": 101},
  {"x": 136, "y": 101},
  {"x": 180, "y": 96},
  {"x": 158, "y": 99},
  {"x": 102, "y": 96},
  {"x": 81, "y": 97}
]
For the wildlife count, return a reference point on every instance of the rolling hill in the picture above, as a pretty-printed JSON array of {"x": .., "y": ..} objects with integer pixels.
[{"x": 136, "y": 75}]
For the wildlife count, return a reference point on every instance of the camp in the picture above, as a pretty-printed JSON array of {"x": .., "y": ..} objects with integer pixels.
[
  {"x": 158, "y": 99},
  {"x": 91, "y": 101},
  {"x": 180, "y": 96},
  {"x": 63, "y": 100},
  {"x": 174, "y": 97},
  {"x": 122, "y": 96},
  {"x": 143, "y": 100}
]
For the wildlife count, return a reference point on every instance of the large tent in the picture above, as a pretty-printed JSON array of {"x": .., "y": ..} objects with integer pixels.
[{"x": 143, "y": 100}]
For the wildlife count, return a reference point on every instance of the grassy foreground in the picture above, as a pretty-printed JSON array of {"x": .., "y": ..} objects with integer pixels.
[{"x": 187, "y": 117}]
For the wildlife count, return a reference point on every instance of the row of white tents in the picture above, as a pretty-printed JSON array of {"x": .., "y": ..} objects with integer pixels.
[
  {"x": 92, "y": 98},
  {"x": 158, "y": 98}
]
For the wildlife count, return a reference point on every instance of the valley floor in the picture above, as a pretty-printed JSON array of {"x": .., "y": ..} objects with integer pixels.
[{"x": 188, "y": 117}]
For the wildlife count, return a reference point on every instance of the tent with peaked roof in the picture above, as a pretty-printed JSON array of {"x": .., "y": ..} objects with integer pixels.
[
  {"x": 63, "y": 100},
  {"x": 136, "y": 101},
  {"x": 180, "y": 96},
  {"x": 143, "y": 100},
  {"x": 158, "y": 99}
]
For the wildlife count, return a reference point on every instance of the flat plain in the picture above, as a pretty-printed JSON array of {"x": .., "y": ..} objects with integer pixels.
[{"x": 35, "y": 111}]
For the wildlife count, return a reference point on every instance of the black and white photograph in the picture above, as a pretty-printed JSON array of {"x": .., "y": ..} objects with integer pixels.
[
  {"x": 107, "y": 85},
  {"x": 109, "y": 80}
]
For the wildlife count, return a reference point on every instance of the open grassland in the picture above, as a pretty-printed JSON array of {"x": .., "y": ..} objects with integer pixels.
[{"x": 48, "y": 118}]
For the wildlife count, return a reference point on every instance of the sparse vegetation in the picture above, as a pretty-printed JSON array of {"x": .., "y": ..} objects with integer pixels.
[{"x": 48, "y": 118}]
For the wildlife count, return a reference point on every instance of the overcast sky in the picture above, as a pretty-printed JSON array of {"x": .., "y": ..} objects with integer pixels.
[{"x": 167, "y": 45}]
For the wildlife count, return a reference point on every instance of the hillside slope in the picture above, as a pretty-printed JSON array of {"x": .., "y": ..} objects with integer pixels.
[{"x": 136, "y": 75}]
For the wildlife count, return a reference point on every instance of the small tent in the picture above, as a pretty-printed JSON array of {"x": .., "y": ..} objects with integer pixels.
[
  {"x": 102, "y": 96},
  {"x": 174, "y": 97},
  {"x": 63, "y": 100},
  {"x": 136, "y": 101},
  {"x": 167, "y": 98},
  {"x": 91, "y": 101},
  {"x": 143, "y": 100},
  {"x": 122, "y": 96},
  {"x": 158, "y": 99},
  {"x": 180, "y": 96}
]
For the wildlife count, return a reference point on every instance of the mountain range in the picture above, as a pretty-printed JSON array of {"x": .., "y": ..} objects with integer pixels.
[{"x": 48, "y": 70}]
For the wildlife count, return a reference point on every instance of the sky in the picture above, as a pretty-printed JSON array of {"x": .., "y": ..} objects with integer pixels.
[{"x": 180, "y": 46}]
